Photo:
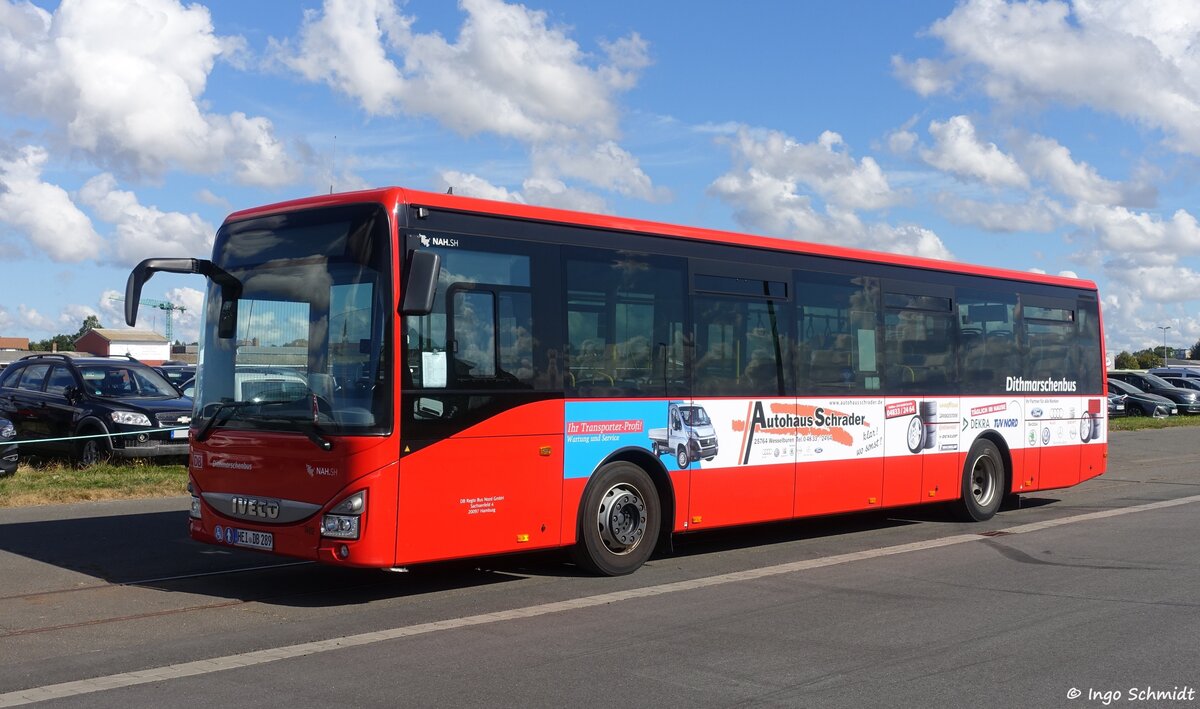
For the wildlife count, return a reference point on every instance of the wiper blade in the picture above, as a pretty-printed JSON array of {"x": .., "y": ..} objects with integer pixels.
[
  {"x": 314, "y": 431},
  {"x": 314, "y": 434},
  {"x": 228, "y": 408}
]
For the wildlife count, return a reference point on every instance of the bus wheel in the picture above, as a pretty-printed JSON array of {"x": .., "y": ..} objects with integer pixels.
[
  {"x": 681, "y": 458},
  {"x": 982, "y": 483},
  {"x": 620, "y": 520}
]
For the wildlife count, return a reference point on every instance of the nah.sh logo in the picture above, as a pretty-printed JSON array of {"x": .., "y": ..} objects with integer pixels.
[{"x": 320, "y": 470}]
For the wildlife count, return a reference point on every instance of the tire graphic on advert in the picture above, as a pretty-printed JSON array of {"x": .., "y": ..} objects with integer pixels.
[
  {"x": 1085, "y": 429},
  {"x": 1094, "y": 416},
  {"x": 916, "y": 434},
  {"x": 929, "y": 417}
]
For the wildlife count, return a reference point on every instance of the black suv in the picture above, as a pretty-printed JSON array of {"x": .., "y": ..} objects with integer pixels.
[{"x": 94, "y": 408}]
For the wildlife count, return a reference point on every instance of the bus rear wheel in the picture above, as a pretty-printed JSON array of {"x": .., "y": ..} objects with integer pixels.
[
  {"x": 982, "y": 483},
  {"x": 620, "y": 520}
]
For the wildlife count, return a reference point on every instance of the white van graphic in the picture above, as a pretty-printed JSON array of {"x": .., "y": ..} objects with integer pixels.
[{"x": 689, "y": 435}]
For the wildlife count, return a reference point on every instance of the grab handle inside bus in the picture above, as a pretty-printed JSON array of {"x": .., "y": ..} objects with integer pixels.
[
  {"x": 231, "y": 287},
  {"x": 420, "y": 283}
]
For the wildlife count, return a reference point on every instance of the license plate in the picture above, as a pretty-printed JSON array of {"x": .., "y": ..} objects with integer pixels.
[
  {"x": 254, "y": 540},
  {"x": 179, "y": 433}
]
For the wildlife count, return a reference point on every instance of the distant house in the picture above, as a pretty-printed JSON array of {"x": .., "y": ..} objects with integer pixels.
[
  {"x": 149, "y": 347},
  {"x": 12, "y": 349}
]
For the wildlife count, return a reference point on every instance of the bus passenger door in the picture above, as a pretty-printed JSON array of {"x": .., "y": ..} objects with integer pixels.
[
  {"x": 920, "y": 356},
  {"x": 481, "y": 418},
  {"x": 836, "y": 361},
  {"x": 1052, "y": 363},
  {"x": 740, "y": 424}
]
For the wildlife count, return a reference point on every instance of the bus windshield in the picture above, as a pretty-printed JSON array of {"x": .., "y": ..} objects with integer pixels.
[{"x": 313, "y": 324}]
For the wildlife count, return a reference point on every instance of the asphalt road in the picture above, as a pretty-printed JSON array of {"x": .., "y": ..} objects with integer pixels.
[{"x": 1093, "y": 590}]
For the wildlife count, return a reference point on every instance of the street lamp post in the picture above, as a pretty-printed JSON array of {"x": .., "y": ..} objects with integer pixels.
[{"x": 1164, "y": 328}]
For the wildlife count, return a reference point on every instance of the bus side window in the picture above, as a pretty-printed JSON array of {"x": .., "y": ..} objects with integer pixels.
[
  {"x": 919, "y": 343},
  {"x": 1087, "y": 336},
  {"x": 837, "y": 334},
  {"x": 988, "y": 350},
  {"x": 624, "y": 324},
  {"x": 1049, "y": 341},
  {"x": 738, "y": 347}
]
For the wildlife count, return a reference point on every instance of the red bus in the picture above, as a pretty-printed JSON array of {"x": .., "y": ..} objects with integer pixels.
[{"x": 392, "y": 377}]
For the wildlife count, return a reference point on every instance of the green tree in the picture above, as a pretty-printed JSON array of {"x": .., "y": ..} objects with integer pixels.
[
  {"x": 1126, "y": 361},
  {"x": 91, "y": 322},
  {"x": 1149, "y": 358},
  {"x": 64, "y": 342},
  {"x": 1194, "y": 353}
]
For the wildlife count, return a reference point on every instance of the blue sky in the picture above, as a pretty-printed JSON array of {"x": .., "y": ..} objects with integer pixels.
[{"x": 1055, "y": 136}]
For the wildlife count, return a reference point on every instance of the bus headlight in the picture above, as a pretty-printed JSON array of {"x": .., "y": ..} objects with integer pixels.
[
  {"x": 342, "y": 522},
  {"x": 195, "y": 511}
]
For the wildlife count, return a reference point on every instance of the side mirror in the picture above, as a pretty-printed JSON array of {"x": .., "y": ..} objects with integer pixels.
[
  {"x": 231, "y": 288},
  {"x": 72, "y": 393},
  {"x": 420, "y": 283}
]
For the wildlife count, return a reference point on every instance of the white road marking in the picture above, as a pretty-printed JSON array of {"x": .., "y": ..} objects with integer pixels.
[{"x": 259, "y": 657}]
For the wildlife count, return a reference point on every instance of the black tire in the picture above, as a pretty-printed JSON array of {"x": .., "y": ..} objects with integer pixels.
[
  {"x": 619, "y": 520},
  {"x": 983, "y": 483},
  {"x": 92, "y": 451},
  {"x": 1135, "y": 410},
  {"x": 681, "y": 458}
]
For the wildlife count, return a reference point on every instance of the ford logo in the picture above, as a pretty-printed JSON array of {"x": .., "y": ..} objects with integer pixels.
[{"x": 1035, "y": 413}]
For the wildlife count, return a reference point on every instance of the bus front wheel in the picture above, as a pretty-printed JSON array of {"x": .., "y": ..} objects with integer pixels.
[
  {"x": 620, "y": 520},
  {"x": 982, "y": 483}
]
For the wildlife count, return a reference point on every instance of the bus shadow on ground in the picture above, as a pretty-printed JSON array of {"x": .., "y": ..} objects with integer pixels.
[
  {"x": 810, "y": 528},
  {"x": 152, "y": 550}
]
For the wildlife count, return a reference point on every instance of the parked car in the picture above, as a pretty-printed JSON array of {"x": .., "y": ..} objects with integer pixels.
[
  {"x": 1139, "y": 403},
  {"x": 1192, "y": 383},
  {"x": 94, "y": 408},
  {"x": 1186, "y": 372},
  {"x": 177, "y": 374},
  {"x": 8, "y": 449},
  {"x": 1187, "y": 400},
  {"x": 1116, "y": 404}
]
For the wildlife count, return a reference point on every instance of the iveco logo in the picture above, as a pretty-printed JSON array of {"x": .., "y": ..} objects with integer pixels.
[{"x": 253, "y": 507}]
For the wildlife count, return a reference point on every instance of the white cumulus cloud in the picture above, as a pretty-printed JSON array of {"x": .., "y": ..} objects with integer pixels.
[
  {"x": 1132, "y": 58},
  {"x": 767, "y": 190},
  {"x": 1048, "y": 160},
  {"x": 123, "y": 80},
  {"x": 824, "y": 166},
  {"x": 141, "y": 231},
  {"x": 508, "y": 72},
  {"x": 959, "y": 151},
  {"x": 44, "y": 213}
]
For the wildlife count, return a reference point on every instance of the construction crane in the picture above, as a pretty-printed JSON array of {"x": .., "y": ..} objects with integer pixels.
[{"x": 167, "y": 308}]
